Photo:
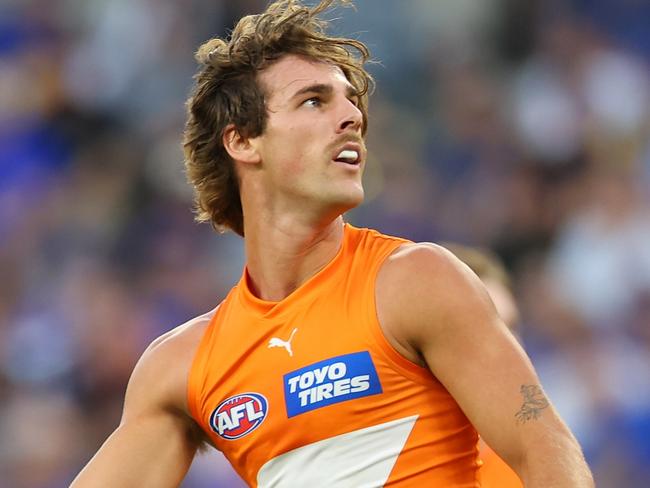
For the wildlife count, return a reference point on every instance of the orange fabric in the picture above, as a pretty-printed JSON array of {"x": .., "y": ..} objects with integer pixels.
[
  {"x": 334, "y": 314},
  {"x": 495, "y": 473}
]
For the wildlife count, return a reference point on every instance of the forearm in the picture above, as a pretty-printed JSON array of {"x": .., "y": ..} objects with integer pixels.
[
  {"x": 557, "y": 464},
  {"x": 151, "y": 453}
]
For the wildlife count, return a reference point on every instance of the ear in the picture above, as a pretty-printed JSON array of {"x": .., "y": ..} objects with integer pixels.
[{"x": 239, "y": 148}]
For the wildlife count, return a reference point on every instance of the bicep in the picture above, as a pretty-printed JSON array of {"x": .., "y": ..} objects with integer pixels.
[
  {"x": 446, "y": 316},
  {"x": 494, "y": 382}
]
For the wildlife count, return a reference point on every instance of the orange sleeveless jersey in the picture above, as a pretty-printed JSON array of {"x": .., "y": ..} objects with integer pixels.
[{"x": 308, "y": 392}]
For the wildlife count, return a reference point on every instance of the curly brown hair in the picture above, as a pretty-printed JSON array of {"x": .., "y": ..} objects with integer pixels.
[{"x": 227, "y": 92}]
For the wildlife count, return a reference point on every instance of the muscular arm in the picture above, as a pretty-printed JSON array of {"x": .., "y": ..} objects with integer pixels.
[
  {"x": 156, "y": 440},
  {"x": 436, "y": 312}
]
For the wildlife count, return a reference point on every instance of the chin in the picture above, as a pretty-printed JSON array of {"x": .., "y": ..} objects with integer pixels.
[
  {"x": 350, "y": 200},
  {"x": 338, "y": 200}
]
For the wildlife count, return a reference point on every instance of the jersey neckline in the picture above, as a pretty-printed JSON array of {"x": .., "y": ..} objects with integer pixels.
[{"x": 269, "y": 309}]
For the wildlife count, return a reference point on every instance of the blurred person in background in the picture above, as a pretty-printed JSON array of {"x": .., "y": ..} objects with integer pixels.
[{"x": 338, "y": 343}]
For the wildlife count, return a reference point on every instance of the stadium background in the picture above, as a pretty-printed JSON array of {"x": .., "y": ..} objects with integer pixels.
[{"x": 518, "y": 126}]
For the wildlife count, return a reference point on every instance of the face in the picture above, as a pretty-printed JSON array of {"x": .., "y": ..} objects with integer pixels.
[{"x": 312, "y": 152}]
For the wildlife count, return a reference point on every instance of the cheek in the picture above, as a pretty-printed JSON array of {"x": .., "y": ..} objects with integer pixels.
[
  {"x": 294, "y": 146},
  {"x": 299, "y": 151},
  {"x": 295, "y": 166},
  {"x": 291, "y": 157}
]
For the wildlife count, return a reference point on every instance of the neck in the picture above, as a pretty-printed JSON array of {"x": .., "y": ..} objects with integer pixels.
[{"x": 282, "y": 255}]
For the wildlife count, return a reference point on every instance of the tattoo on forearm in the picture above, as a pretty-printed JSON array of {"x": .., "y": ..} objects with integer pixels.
[{"x": 534, "y": 403}]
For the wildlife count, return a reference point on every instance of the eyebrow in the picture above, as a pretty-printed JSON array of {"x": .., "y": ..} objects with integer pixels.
[{"x": 324, "y": 89}]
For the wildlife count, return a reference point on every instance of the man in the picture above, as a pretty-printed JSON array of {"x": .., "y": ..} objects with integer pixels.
[{"x": 342, "y": 357}]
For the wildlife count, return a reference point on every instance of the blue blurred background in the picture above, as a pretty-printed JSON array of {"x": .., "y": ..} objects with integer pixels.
[{"x": 522, "y": 127}]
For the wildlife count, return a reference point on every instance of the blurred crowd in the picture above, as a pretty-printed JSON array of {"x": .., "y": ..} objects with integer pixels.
[{"x": 521, "y": 127}]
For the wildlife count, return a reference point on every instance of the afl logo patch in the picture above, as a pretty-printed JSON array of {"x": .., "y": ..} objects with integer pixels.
[{"x": 239, "y": 415}]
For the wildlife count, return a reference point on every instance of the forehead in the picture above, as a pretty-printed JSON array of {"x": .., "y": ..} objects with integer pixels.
[{"x": 291, "y": 73}]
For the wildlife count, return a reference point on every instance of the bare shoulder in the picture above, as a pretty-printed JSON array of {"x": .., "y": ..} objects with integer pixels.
[
  {"x": 421, "y": 256},
  {"x": 183, "y": 339},
  {"x": 421, "y": 289},
  {"x": 159, "y": 379},
  {"x": 426, "y": 270}
]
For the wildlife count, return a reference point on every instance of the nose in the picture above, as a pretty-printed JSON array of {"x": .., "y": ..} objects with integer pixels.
[{"x": 351, "y": 117}]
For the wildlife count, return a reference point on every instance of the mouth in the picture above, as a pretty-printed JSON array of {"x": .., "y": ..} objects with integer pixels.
[{"x": 349, "y": 154}]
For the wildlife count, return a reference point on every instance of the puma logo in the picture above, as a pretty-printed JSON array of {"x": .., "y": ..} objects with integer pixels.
[{"x": 276, "y": 342}]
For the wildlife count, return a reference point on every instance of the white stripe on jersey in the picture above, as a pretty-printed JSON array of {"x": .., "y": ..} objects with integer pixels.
[{"x": 361, "y": 458}]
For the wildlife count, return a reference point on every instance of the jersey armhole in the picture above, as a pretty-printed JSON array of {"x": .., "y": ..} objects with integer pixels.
[
  {"x": 400, "y": 363},
  {"x": 194, "y": 385}
]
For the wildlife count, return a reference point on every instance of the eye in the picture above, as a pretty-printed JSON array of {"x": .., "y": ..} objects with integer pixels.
[
  {"x": 354, "y": 101},
  {"x": 313, "y": 102}
]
